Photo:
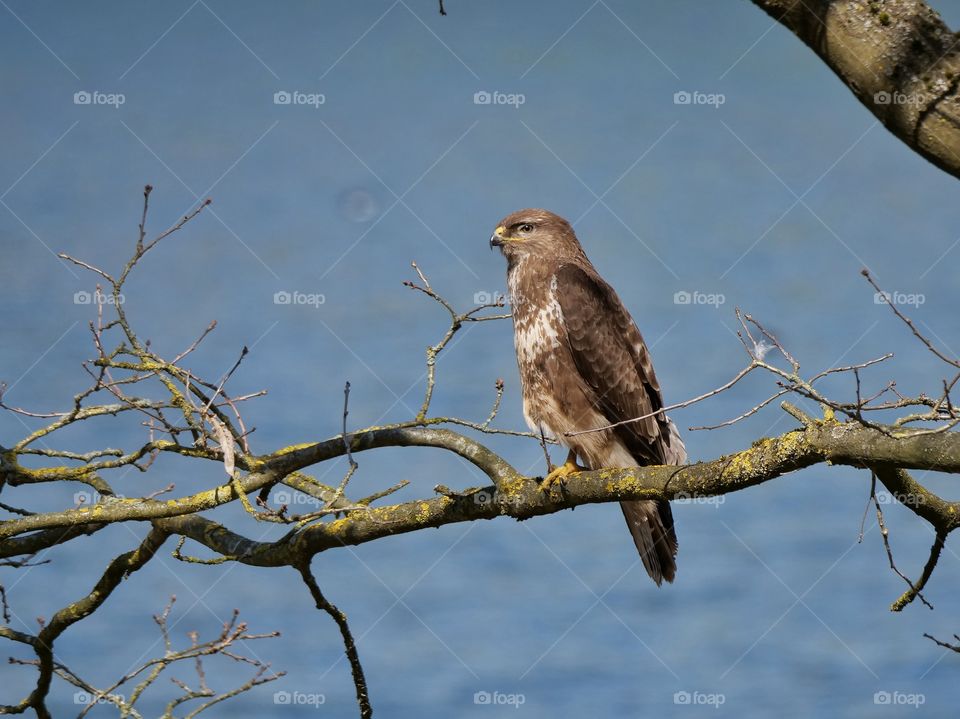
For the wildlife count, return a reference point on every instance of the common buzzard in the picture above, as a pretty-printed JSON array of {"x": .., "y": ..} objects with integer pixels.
[{"x": 583, "y": 366}]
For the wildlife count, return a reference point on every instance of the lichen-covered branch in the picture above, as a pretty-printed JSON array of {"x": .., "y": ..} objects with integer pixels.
[
  {"x": 847, "y": 443},
  {"x": 520, "y": 497},
  {"x": 271, "y": 469}
]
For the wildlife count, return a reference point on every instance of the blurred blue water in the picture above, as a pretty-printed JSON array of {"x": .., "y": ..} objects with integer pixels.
[{"x": 777, "y": 607}]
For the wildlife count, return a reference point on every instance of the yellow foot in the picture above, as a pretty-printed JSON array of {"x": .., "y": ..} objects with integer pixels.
[{"x": 558, "y": 474}]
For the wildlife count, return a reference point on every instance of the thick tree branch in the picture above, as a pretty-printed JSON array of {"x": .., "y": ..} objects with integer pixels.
[
  {"x": 37, "y": 541},
  {"x": 848, "y": 443},
  {"x": 899, "y": 59},
  {"x": 520, "y": 497},
  {"x": 271, "y": 469}
]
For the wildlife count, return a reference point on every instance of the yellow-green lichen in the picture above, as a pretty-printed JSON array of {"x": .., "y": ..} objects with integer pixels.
[{"x": 292, "y": 448}]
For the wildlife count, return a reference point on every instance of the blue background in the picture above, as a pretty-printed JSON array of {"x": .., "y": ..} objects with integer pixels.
[{"x": 774, "y": 200}]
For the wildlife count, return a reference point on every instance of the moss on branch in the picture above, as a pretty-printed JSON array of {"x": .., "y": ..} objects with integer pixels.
[
  {"x": 847, "y": 443},
  {"x": 520, "y": 497}
]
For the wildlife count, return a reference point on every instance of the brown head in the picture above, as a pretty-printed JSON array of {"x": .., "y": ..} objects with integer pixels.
[{"x": 538, "y": 233}]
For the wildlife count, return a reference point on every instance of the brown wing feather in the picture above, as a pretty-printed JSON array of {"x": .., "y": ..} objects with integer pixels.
[{"x": 612, "y": 358}]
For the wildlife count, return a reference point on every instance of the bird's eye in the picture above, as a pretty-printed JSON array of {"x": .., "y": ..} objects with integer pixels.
[{"x": 526, "y": 227}]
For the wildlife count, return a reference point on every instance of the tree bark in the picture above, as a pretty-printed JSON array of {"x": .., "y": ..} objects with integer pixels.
[{"x": 899, "y": 59}]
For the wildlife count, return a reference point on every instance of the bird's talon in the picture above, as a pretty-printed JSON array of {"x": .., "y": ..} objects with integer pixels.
[{"x": 557, "y": 475}]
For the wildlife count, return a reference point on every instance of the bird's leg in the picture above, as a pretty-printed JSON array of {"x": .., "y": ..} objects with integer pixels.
[{"x": 558, "y": 474}]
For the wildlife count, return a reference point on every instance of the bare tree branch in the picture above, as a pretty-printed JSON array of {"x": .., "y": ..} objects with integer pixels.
[{"x": 350, "y": 647}]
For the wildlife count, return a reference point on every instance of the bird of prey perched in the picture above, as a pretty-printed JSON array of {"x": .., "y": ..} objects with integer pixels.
[{"x": 584, "y": 366}]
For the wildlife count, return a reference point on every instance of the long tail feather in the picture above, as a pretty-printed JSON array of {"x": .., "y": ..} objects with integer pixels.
[{"x": 651, "y": 525}]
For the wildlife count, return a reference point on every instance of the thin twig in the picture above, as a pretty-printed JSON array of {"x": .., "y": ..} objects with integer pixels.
[
  {"x": 909, "y": 323},
  {"x": 884, "y": 533},
  {"x": 350, "y": 647}
]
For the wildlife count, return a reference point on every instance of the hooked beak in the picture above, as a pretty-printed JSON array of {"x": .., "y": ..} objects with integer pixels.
[{"x": 496, "y": 239}]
